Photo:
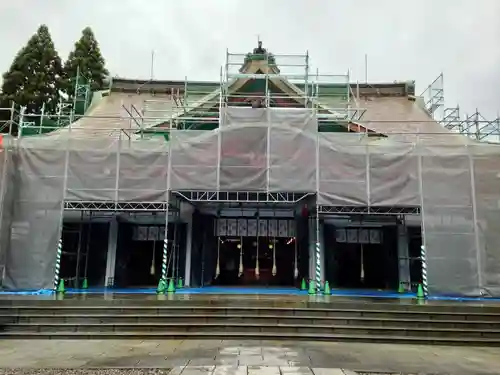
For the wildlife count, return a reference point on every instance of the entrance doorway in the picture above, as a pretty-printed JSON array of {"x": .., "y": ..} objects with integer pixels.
[
  {"x": 247, "y": 261},
  {"x": 362, "y": 258},
  {"x": 140, "y": 254}
]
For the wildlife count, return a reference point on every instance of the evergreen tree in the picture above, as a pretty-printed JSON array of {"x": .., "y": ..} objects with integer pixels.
[
  {"x": 86, "y": 57},
  {"x": 35, "y": 76}
]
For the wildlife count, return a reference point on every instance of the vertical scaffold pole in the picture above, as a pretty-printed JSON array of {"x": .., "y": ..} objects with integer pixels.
[
  {"x": 306, "y": 85},
  {"x": 60, "y": 229},
  {"x": 479, "y": 260},
  {"x": 165, "y": 240},
  {"x": 318, "y": 251},
  {"x": 12, "y": 117},
  {"x": 165, "y": 243},
  {"x": 318, "y": 244},
  {"x": 423, "y": 248}
]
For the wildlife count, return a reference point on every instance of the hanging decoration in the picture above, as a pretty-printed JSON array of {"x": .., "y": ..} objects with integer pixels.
[
  {"x": 218, "y": 229},
  {"x": 240, "y": 269},
  {"x": 362, "y": 276},
  {"x": 153, "y": 236},
  {"x": 296, "y": 270},
  {"x": 272, "y": 246},
  {"x": 257, "y": 269},
  {"x": 272, "y": 232},
  {"x": 248, "y": 227},
  {"x": 217, "y": 267},
  {"x": 152, "y": 269}
]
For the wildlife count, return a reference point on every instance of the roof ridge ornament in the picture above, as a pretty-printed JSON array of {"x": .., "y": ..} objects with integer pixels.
[{"x": 259, "y": 50}]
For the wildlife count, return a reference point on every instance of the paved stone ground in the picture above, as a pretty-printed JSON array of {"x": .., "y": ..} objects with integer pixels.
[{"x": 216, "y": 357}]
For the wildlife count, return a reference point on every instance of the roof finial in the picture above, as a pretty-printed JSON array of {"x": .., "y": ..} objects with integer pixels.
[{"x": 259, "y": 50}]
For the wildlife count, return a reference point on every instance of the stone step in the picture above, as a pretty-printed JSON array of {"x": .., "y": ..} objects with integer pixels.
[
  {"x": 249, "y": 319},
  {"x": 322, "y": 303},
  {"x": 175, "y": 334},
  {"x": 368, "y": 311},
  {"x": 220, "y": 328}
]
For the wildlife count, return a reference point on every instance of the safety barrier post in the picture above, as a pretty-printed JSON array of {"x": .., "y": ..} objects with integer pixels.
[
  {"x": 165, "y": 251},
  {"x": 318, "y": 252},
  {"x": 58, "y": 264},
  {"x": 423, "y": 259}
]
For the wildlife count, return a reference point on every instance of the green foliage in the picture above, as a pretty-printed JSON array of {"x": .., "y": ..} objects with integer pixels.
[
  {"x": 35, "y": 76},
  {"x": 86, "y": 57}
]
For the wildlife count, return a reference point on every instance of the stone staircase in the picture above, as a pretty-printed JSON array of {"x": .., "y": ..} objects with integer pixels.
[{"x": 239, "y": 319}]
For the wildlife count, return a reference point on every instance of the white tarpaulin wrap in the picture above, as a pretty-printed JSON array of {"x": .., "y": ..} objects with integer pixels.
[
  {"x": 486, "y": 172},
  {"x": 393, "y": 174},
  {"x": 36, "y": 218},
  {"x": 194, "y": 160},
  {"x": 448, "y": 220},
  {"x": 292, "y": 156},
  {"x": 6, "y": 200},
  {"x": 456, "y": 184},
  {"x": 243, "y": 158},
  {"x": 342, "y": 170},
  {"x": 142, "y": 171},
  {"x": 92, "y": 172}
]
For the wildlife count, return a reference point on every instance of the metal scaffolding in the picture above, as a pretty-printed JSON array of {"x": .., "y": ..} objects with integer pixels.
[
  {"x": 474, "y": 126},
  {"x": 209, "y": 155},
  {"x": 197, "y": 105}
]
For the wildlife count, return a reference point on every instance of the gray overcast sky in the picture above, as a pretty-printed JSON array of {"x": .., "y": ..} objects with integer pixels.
[{"x": 404, "y": 40}]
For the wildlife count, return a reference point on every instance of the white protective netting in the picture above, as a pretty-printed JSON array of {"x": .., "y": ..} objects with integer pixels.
[{"x": 456, "y": 184}]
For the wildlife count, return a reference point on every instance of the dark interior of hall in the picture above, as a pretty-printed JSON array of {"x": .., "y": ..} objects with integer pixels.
[
  {"x": 265, "y": 250},
  {"x": 204, "y": 256},
  {"x": 80, "y": 239},
  {"x": 139, "y": 261},
  {"x": 354, "y": 265},
  {"x": 414, "y": 250}
]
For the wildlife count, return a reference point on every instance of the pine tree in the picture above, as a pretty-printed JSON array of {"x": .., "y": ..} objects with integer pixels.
[
  {"x": 86, "y": 57},
  {"x": 35, "y": 76}
]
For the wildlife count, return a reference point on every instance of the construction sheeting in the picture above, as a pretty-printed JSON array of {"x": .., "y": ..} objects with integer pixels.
[
  {"x": 36, "y": 217},
  {"x": 448, "y": 220},
  {"x": 486, "y": 188},
  {"x": 457, "y": 185},
  {"x": 6, "y": 196}
]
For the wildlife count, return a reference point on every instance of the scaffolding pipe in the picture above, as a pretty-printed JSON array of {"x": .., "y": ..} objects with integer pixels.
[
  {"x": 318, "y": 270},
  {"x": 41, "y": 118},
  {"x": 167, "y": 199},
  {"x": 151, "y": 75},
  {"x": 185, "y": 93},
  {"x": 476, "y": 221},
  {"x": 22, "y": 111},
  {"x": 366, "y": 68},
  {"x": 423, "y": 247},
  {"x": 306, "y": 80},
  {"x": 60, "y": 230},
  {"x": 12, "y": 115}
]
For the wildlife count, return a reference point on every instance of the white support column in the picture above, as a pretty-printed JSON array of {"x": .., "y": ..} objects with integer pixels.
[
  {"x": 312, "y": 247},
  {"x": 111, "y": 256},
  {"x": 403, "y": 256}
]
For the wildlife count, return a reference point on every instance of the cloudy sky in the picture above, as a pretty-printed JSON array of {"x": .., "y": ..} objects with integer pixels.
[{"x": 404, "y": 40}]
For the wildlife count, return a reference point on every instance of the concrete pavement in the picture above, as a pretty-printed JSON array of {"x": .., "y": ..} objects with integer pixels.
[{"x": 217, "y": 357}]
